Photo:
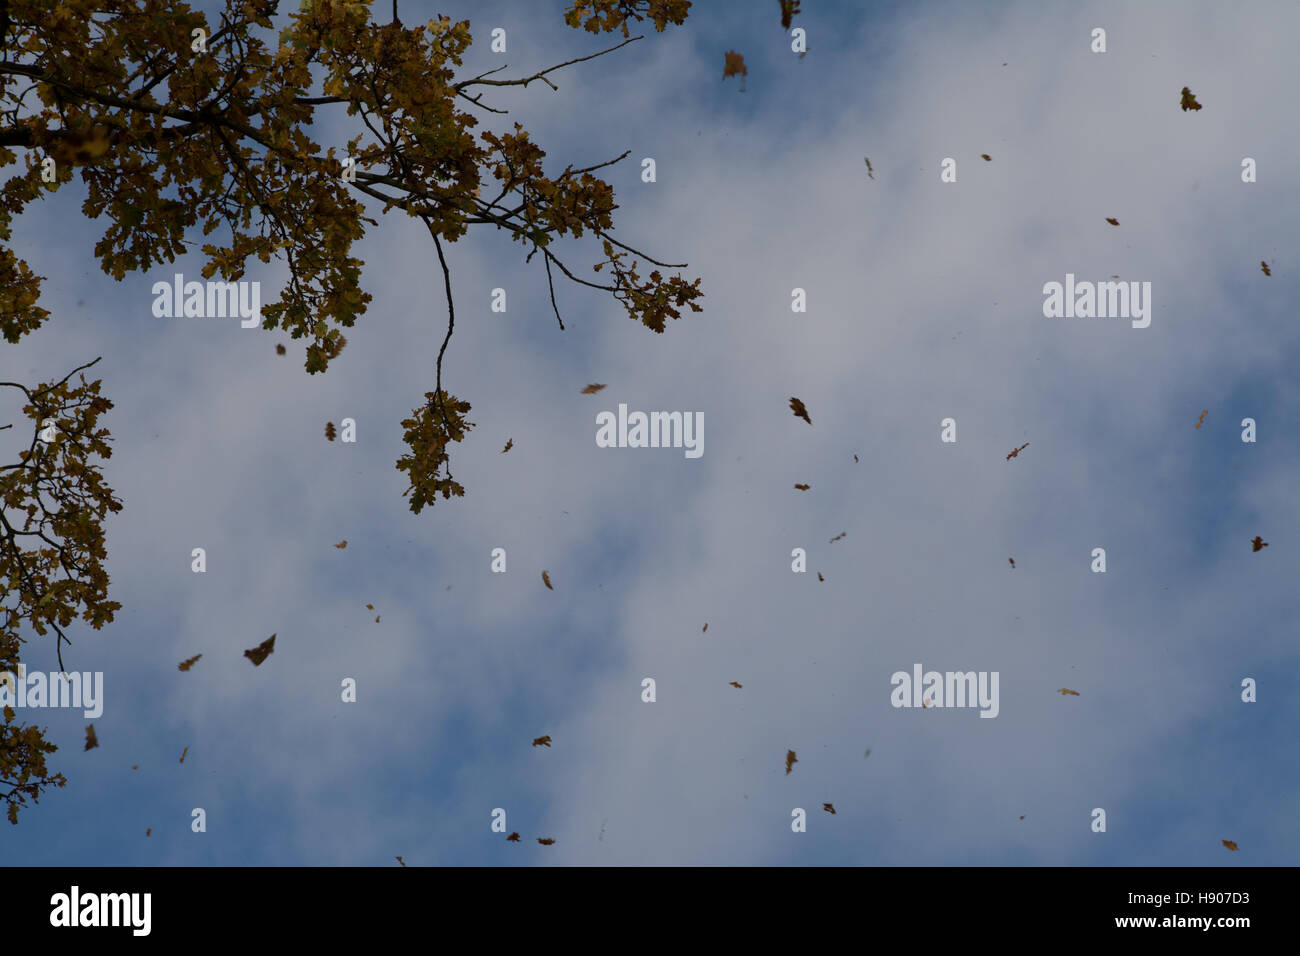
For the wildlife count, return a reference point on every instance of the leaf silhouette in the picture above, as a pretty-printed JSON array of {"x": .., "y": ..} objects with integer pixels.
[
  {"x": 1017, "y": 451},
  {"x": 828, "y": 807},
  {"x": 279, "y": 349},
  {"x": 261, "y": 652},
  {"x": 377, "y": 618},
  {"x": 1065, "y": 690},
  {"x": 1259, "y": 544},
  {"x": 790, "y": 761},
  {"x": 513, "y": 838},
  {"x": 1263, "y": 267},
  {"x": 736, "y": 685},
  {"x": 1013, "y": 562},
  {"x": 546, "y": 579},
  {"x": 542, "y": 742},
  {"x": 400, "y": 860},
  {"x": 545, "y": 841},
  {"x": 734, "y": 65},
  {"x": 855, "y": 457},
  {"x": 183, "y": 753},
  {"x": 986, "y": 157},
  {"x": 592, "y": 389},
  {"x": 803, "y": 487},
  {"x": 788, "y": 9},
  {"x": 135, "y": 766},
  {"x": 510, "y": 443},
  {"x": 1113, "y": 222},
  {"x": 1188, "y": 101},
  {"x": 799, "y": 411},
  {"x": 868, "y": 162},
  {"x": 838, "y": 536},
  {"x": 91, "y": 740},
  {"x": 370, "y": 607},
  {"x": 819, "y": 576},
  {"x": 186, "y": 665},
  {"x": 329, "y": 431},
  {"x": 706, "y": 628},
  {"x": 1230, "y": 844},
  {"x": 149, "y": 832},
  {"x": 1201, "y": 420},
  {"x": 342, "y": 544}
]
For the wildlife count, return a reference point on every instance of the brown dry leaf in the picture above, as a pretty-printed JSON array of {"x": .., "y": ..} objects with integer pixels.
[
  {"x": 261, "y": 652},
  {"x": 1113, "y": 222},
  {"x": 1013, "y": 562},
  {"x": 1230, "y": 844},
  {"x": 1065, "y": 690},
  {"x": 546, "y": 579},
  {"x": 329, "y": 431},
  {"x": 342, "y": 544},
  {"x": 788, "y": 9},
  {"x": 542, "y": 741},
  {"x": 149, "y": 832},
  {"x": 986, "y": 157},
  {"x": 803, "y": 487},
  {"x": 279, "y": 350},
  {"x": 592, "y": 389},
  {"x": 510, "y": 443},
  {"x": 799, "y": 410},
  {"x": 513, "y": 838},
  {"x": 1188, "y": 101},
  {"x": 838, "y": 536},
  {"x": 370, "y": 607},
  {"x": 545, "y": 841},
  {"x": 790, "y": 761},
  {"x": 706, "y": 628},
  {"x": 820, "y": 578},
  {"x": 828, "y": 807},
  {"x": 91, "y": 740},
  {"x": 855, "y": 457},
  {"x": 734, "y": 65},
  {"x": 183, "y": 753},
  {"x": 400, "y": 860},
  {"x": 736, "y": 685},
  {"x": 135, "y": 766},
  {"x": 1201, "y": 420},
  {"x": 1017, "y": 451},
  {"x": 186, "y": 665},
  {"x": 377, "y": 616},
  {"x": 868, "y": 162},
  {"x": 1259, "y": 544},
  {"x": 1263, "y": 266},
  {"x": 1022, "y": 816}
]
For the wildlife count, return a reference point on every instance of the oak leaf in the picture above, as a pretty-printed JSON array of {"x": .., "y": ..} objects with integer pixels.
[
  {"x": 279, "y": 349},
  {"x": 868, "y": 162},
  {"x": 183, "y": 753},
  {"x": 545, "y": 841},
  {"x": 1065, "y": 690},
  {"x": 799, "y": 410},
  {"x": 986, "y": 157},
  {"x": 1188, "y": 101},
  {"x": 1263, "y": 267},
  {"x": 788, "y": 9},
  {"x": 1259, "y": 544},
  {"x": 736, "y": 685},
  {"x": 790, "y": 761},
  {"x": 838, "y": 536},
  {"x": 828, "y": 807},
  {"x": 592, "y": 389},
  {"x": 513, "y": 838},
  {"x": 1113, "y": 222},
  {"x": 261, "y": 652},
  {"x": 1013, "y": 562},
  {"x": 329, "y": 431},
  {"x": 803, "y": 487},
  {"x": 510, "y": 443},
  {"x": 542, "y": 741},
  {"x": 400, "y": 860},
  {"x": 1017, "y": 451},
  {"x": 186, "y": 665},
  {"x": 734, "y": 65},
  {"x": 91, "y": 740},
  {"x": 1201, "y": 420},
  {"x": 546, "y": 579},
  {"x": 342, "y": 544},
  {"x": 1230, "y": 844}
]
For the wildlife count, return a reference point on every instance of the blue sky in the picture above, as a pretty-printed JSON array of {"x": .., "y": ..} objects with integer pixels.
[{"x": 924, "y": 302}]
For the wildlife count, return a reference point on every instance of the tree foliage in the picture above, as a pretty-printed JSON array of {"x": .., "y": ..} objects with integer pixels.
[{"x": 184, "y": 139}]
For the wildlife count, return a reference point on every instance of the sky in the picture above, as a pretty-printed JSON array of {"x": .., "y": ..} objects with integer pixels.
[{"x": 924, "y": 301}]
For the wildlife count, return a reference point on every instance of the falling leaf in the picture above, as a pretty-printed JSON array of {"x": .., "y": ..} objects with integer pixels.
[
  {"x": 737, "y": 686},
  {"x": 149, "y": 832},
  {"x": 1017, "y": 451},
  {"x": 803, "y": 487},
  {"x": 986, "y": 157},
  {"x": 370, "y": 607},
  {"x": 329, "y": 431},
  {"x": 1264, "y": 268},
  {"x": 1113, "y": 222},
  {"x": 1189, "y": 101},
  {"x": 377, "y": 618},
  {"x": 542, "y": 741},
  {"x": 135, "y": 766},
  {"x": 1013, "y": 562},
  {"x": 545, "y": 841},
  {"x": 788, "y": 9},
  {"x": 868, "y": 162},
  {"x": 342, "y": 544},
  {"x": 91, "y": 740},
  {"x": 261, "y": 652},
  {"x": 855, "y": 457},
  {"x": 734, "y": 65},
  {"x": 1065, "y": 690},
  {"x": 1259, "y": 544},
  {"x": 592, "y": 389},
  {"x": 513, "y": 838},
  {"x": 1230, "y": 844},
  {"x": 400, "y": 860},
  {"x": 183, "y": 753},
  {"x": 546, "y": 579},
  {"x": 866, "y": 753},
  {"x": 186, "y": 665},
  {"x": 838, "y": 536},
  {"x": 799, "y": 411},
  {"x": 510, "y": 443},
  {"x": 1200, "y": 420},
  {"x": 279, "y": 350},
  {"x": 790, "y": 761},
  {"x": 820, "y": 578},
  {"x": 828, "y": 807},
  {"x": 706, "y": 628},
  {"x": 1022, "y": 816}
]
